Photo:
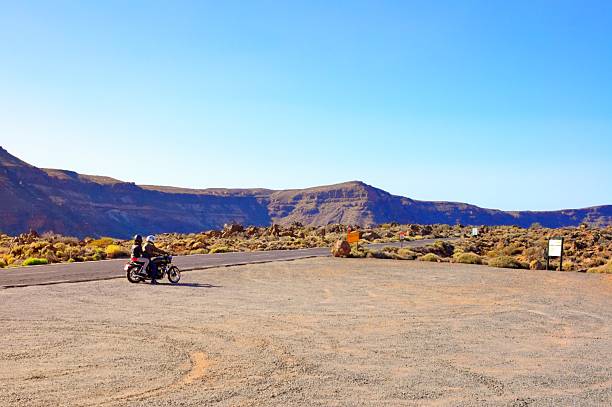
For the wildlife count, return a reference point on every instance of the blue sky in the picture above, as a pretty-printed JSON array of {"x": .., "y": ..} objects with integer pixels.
[{"x": 504, "y": 104}]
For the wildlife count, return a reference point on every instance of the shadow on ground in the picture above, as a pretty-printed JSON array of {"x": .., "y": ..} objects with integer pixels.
[{"x": 194, "y": 285}]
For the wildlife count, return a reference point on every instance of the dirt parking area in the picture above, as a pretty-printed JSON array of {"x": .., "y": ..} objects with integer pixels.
[{"x": 313, "y": 332}]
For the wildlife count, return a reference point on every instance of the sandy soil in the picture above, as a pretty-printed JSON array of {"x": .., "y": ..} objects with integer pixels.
[{"x": 313, "y": 332}]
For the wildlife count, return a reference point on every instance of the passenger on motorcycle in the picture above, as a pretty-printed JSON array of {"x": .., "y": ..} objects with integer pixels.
[
  {"x": 138, "y": 254},
  {"x": 151, "y": 251}
]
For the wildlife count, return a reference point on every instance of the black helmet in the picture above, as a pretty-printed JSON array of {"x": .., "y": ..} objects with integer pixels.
[{"x": 137, "y": 238}]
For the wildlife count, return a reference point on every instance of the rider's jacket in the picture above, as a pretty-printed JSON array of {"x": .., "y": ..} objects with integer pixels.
[
  {"x": 137, "y": 250},
  {"x": 151, "y": 251}
]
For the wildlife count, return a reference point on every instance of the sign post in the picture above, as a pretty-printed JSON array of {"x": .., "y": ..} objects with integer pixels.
[
  {"x": 555, "y": 249},
  {"x": 353, "y": 237},
  {"x": 402, "y": 237}
]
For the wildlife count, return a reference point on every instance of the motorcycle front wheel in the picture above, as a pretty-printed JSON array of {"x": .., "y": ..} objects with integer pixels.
[
  {"x": 174, "y": 275},
  {"x": 132, "y": 275}
]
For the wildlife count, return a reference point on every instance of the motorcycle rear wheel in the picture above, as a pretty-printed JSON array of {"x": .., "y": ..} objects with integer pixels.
[
  {"x": 174, "y": 274},
  {"x": 132, "y": 275}
]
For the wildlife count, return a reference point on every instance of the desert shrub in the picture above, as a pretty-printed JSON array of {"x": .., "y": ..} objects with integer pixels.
[
  {"x": 606, "y": 268},
  {"x": 61, "y": 255},
  {"x": 358, "y": 253},
  {"x": 102, "y": 243},
  {"x": 506, "y": 262},
  {"x": 407, "y": 254},
  {"x": 430, "y": 257},
  {"x": 67, "y": 240},
  {"x": 533, "y": 253},
  {"x": 114, "y": 251},
  {"x": 198, "y": 251},
  {"x": 49, "y": 236},
  {"x": 219, "y": 249},
  {"x": 511, "y": 250},
  {"x": 303, "y": 242},
  {"x": 59, "y": 246},
  {"x": 396, "y": 256},
  {"x": 16, "y": 250},
  {"x": 378, "y": 254},
  {"x": 33, "y": 261},
  {"x": 51, "y": 258},
  {"x": 8, "y": 259},
  {"x": 100, "y": 253},
  {"x": 569, "y": 266},
  {"x": 2, "y": 264},
  {"x": 467, "y": 258},
  {"x": 594, "y": 262},
  {"x": 36, "y": 246},
  {"x": 443, "y": 248}
]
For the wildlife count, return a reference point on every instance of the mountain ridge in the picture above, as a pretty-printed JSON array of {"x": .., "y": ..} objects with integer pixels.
[{"x": 76, "y": 204}]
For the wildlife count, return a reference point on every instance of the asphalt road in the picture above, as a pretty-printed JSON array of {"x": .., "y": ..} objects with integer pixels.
[{"x": 109, "y": 269}]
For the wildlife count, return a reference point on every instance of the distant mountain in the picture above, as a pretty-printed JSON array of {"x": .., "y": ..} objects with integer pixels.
[
  {"x": 358, "y": 203},
  {"x": 76, "y": 204}
]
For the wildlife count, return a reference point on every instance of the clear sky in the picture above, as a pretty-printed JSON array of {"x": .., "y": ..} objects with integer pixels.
[{"x": 504, "y": 104}]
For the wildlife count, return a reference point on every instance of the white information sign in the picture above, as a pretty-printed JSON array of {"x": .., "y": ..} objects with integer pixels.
[
  {"x": 555, "y": 246},
  {"x": 474, "y": 231}
]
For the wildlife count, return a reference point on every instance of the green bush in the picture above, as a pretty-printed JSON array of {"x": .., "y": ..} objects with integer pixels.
[
  {"x": 507, "y": 262},
  {"x": 430, "y": 257},
  {"x": 467, "y": 258},
  {"x": 33, "y": 261}
]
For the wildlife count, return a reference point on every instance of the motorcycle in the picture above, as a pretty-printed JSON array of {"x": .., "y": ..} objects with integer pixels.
[{"x": 164, "y": 268}]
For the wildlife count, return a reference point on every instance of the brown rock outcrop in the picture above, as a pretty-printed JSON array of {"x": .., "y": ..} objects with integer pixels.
[{"x": 341, "y": 248}]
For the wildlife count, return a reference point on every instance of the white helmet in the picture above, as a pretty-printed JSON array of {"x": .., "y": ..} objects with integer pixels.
[{"x": 151, "y": 238}]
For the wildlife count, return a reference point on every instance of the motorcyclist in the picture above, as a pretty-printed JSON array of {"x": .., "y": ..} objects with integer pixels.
[
  {"x": 151, "y": 251},
  {"x": 138, "y": 254}
]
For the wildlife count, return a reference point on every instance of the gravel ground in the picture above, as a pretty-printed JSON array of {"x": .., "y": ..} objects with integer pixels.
[{"x": 313, "y": 332}]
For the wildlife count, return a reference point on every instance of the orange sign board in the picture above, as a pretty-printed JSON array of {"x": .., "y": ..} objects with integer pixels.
[{"x": 353, "y": 237}]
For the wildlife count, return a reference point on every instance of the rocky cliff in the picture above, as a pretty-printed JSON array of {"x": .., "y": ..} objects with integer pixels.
[{"x": 75, "y": 204}]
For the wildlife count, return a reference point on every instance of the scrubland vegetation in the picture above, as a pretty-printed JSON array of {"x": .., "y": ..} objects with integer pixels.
[
  {"x": 32, "y": 248},
  {"x": 586, "y": 248}
]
